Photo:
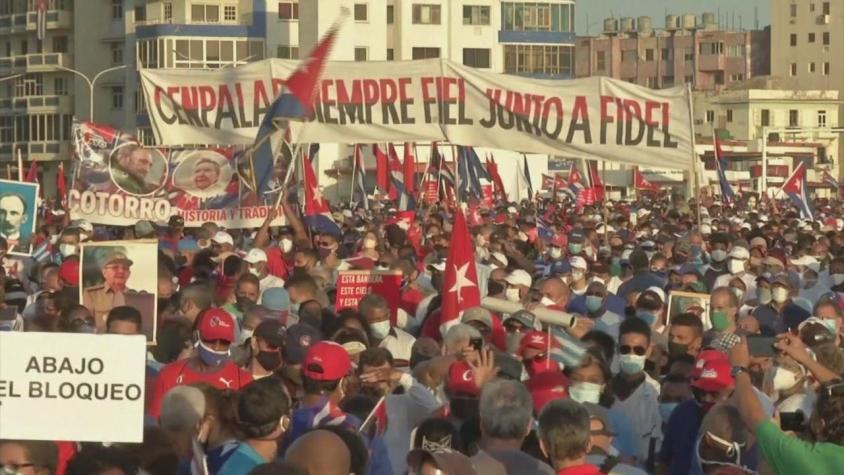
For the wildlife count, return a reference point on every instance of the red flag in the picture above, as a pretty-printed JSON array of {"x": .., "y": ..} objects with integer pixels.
[
  {"x": 61, "y": 187},
  {"x": 460, "y": 279},
  {"x": 378, "y": 418},
  {"x": 382, "y": 170},
  {"x": 395, "y": 170},
  {"x": 32, "y": 174},
  {"x": 305, "y": 79},
  {"x": 595, "y": 179},
  {"x": 492, "y": 169},
  {"x": 640, "y": 183},
  {"x": 409, "y": 169}
]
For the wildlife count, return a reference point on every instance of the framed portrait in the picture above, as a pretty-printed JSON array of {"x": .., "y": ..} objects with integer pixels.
[
  {"x": 18, "y": 210},
  {"x": 121, "y": 273},
  {"x": 683, "y": 302}
]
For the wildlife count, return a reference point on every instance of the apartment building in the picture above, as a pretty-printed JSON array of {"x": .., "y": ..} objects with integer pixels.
[
  {"x": 806, "y": 45},
  {"x": 688, "y": 50}
]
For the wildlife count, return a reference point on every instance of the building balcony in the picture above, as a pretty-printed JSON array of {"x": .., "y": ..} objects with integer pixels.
[
  {"x": 711, "y": 62},
  {"x": 37, "y": 104},
  {"x": 23, "y": 22},
  {"x": 38, "y": 151},
  {"x": 781, "y": 171},
  {"x": 543, "y": 37},
  {"x": 34, "y": 63}
]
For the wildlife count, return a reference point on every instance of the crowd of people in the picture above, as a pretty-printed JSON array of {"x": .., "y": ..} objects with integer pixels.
[{"x": 709, "y": 337}]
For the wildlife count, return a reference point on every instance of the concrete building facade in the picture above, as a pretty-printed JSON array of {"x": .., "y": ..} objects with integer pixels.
[{"x": 688, "y": 50}]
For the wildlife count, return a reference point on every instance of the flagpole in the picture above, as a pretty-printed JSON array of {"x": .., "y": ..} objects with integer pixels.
[
  {"x": 422, "y": 180},
  {"x": 604, "y": 202},
  {"x": 456, "y": 157},
  {"x": 354, "y": 172},
  {"x": 440, "y": 165},
  {"x": 693, "y": 154},
  {"x": 20, "y": 165}
]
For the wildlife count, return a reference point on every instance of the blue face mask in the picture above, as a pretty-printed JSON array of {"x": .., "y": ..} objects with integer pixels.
[
  {"x": 666, "y": 408},
  {"x": 211, "y": 357},
  {"x": 631, "y": 364},
  {"x": 648, "y": 317},
  {"x": 594, "y": 303}
]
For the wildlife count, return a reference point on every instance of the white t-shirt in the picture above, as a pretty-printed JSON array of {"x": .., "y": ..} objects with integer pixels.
[
  {"x": 642, "y": 408},
  {"x": 269, "y": 282}
]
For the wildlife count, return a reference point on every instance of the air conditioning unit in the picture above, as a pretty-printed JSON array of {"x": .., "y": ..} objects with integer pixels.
[{"x": 823, "y": 19}]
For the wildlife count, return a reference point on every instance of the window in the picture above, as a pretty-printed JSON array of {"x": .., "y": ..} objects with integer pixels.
[
  {"x": 288, "y": 10},
  {"x": 230, "y": 12},
  {"x": 712, "y": 48},
  {"x": 24, "y": 47},
  {"x": 826, "y": 8},
  {"x": 735, "y": 51},
  {"x": 793, "y": 10},
  {"x": 667, "y": 54},
  {"x": 524, "y": 16},
  {"x": 117, "y": 97},
  {"x": 651, "y": 82},
  {"x": 116, "y": 9},
  {"x": 729, "y": 115},
  {"x": 476, "y": 57},
  {"x": 200, "y": 13},
  {"x": 426, "y": 14},
  {"x": 629, "y": 56},
  {"x": 766, "y": 118},
  {"x": 475, "y": 15},
  {"x": 168, "y": 11},
  {"x": 826, "y": 38},
  {"x": 361, "y": 53},
  {"x": 390, "y": 54},
  {"x": 811, "y": 37},
  {"x": 60, "y": 44},
  {"x": 649, "y": 54},
  {"x": 793, "y": 118},
  {"x": 288, "y": 52},
  {"x": 116, "y": 53},
  {"x": 736, "y": 77},
  {"x": 391, "y": 14},
  {"x": 793, "y": 70},
  {"x": 7, "y": 129},
  {"x": 821, "y": 118},
  {"x": 548, "y": 60},
  {"x": 29, "y": 85},
  {"x": 812, "y": 67},
  {"x": 689, "y": 55},
  {"x": 710, "y": 117},
  {"x": 811, "y": 7},
  {"x": 601, "y": 60},
  {"x": 140, "y": 14},
  {"x": 667, "y": 81},
  {"x": 793, "y": 40},
  {"x": 60, "y": 86},
  {"x": 826, "y": 69},
  {"x": 361, "y": 12},
  {"x": 425, "y": 53}
]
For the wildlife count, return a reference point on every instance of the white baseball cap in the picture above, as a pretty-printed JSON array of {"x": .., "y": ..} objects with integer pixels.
[
  {"x": 255, "y": 256},
  {"x": 223, "y": 237},
  {"x": 578, "y": 262},
  {"x": 519, "y": 277}
]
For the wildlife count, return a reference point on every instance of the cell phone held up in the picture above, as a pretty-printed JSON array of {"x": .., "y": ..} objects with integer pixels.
[{"x": 761, "y": 346}]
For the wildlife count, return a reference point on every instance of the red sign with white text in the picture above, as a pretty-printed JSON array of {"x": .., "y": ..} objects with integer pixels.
[{"x": 353, "y": 285}]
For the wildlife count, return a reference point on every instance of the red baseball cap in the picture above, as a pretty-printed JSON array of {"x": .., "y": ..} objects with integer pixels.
[
  {"x": 69, "y": 272},
  {"x": 326, "y": 361},
  {"x": 715, "y": 374},
  {"x": 533, "y": 339},
  {"x": 547, "y": 386},
  {"x": 703, "y": 357},
  {"x": 559, "y": 240},
  {"x": 461, "y": 379},
  {"x": 216, "y": 324}
]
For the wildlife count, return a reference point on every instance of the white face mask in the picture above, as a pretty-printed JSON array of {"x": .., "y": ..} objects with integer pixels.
[
  {"x": 556, "y": 253},
  {"x": 547, "y": 302},
  {"x": 286, "y": 245},
  {"x": 380, "y": 330},
  {"x": 838, "y": 279},
  {"x": 512, "y": 294},
  {"x": 586, "y": 392},
  {"x": 718, "y": 255},
  {"x": 576, "y": 276},
  {"x": 735, "y": 266},
  {"x": 779, "y": 294},
  {"x": 67, "y": 249},
  {"x": 54, "y": 239},
  {"x": 369, "y": 243},
  {"x": 254, "y": 272},
  {"x": 784, "y": 379}
]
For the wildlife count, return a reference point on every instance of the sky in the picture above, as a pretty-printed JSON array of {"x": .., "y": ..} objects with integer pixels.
[{"x": 597, "y": 10}]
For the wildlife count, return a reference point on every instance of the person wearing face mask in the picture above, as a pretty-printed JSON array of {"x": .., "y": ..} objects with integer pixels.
[
  {"x": 257, "y": 261},
  {"x": 712, "y": 383},
  {"x": 723, "y": 311},
  {"x": 650, "y": 308},
  {"x": 718, "y": 244},
  {"x": 398, "y": 342},
  {"x": 595, "y": 303},
  {"x": 263, "y": 417},
  {"x": 737, "y": 265},
  {"x": 245, "y": 296},
  {"x": 533, "y": 351},
  {"x": 515, "y": 326},
  {"x": 772, "y": 316},
  {"x": 576, "y": 244},
  {"x": 643, "y": 278},
  {"x": 685, "y": 335},
  {"x": 210, "y": 362},
  {"x": 636, "y": 393},
  {"x": 790, "y": 385},
  {"x": 829, "y": 312},
  {"x": 68, "y": 245},
  {"x": 518, "y": 285},
  {"x": 578, "y": 282},
  {"x": 836, "y": 275},
  {"x": 265, "y": 349}
]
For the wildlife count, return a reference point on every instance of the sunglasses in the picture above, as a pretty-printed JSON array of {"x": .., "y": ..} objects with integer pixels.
[{"x": 627, "y": 349}]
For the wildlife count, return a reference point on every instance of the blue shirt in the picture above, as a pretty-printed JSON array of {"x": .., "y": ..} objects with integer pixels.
[
  {"x": 639, "y": 283},
  {"x": 615, "y": 304},
  {"x": 242, "y": 461},
  {"x": 772, "y": 322},
  {"x": 625, "y": 440},
  {"x": 678, "y": 445}
]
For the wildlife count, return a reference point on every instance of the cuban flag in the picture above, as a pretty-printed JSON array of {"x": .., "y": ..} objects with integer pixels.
[
  {"x": 798, "y": 192},
  {"x": 294, "y": 103},
  {"x": 574, "y": 186},
  {"x": 360, "y": 176},
  {"x": 382, "y": 170},
  {"x": 317, "y": 213},
  {"x": 565, "y": 349},
  {"x": 830, "y": 180},
  {"x": 398, "y": 188},
  {"x": 727, "y": 194}
]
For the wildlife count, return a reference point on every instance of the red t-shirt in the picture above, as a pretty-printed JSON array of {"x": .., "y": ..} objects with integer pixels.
[
  {"x": 230, "y": 376},
  {"x": 585, "y": 469},
  {"x": 275, "y": 262}
]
